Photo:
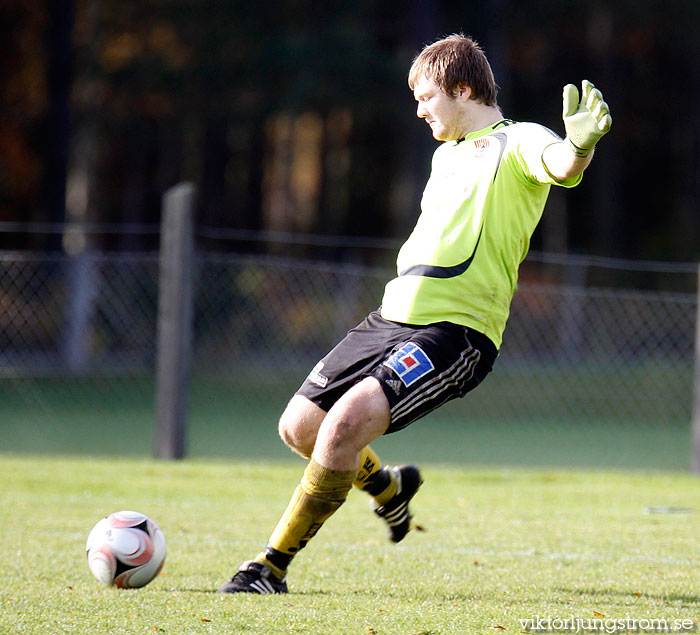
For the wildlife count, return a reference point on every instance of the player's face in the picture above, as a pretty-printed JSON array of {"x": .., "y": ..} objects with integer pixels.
[{"x": 444, "y": 114}]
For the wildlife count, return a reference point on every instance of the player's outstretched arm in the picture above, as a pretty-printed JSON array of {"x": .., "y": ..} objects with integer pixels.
[{"x": 586, "y": 120}]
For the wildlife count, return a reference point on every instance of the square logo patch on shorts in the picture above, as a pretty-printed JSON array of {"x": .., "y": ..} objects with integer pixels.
[
  {"x": 315, "y": 376},
  {"x": 410, "y": 363}
]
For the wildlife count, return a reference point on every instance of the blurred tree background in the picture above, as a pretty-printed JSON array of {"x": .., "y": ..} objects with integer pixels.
[{"x": 295, "y": 116}]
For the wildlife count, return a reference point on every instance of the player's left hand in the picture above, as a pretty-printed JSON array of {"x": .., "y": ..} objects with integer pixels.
[{"x": 587, "y": 120}]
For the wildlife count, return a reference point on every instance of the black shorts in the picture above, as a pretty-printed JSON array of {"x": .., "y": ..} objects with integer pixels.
[{"x": 419, "y": 367}]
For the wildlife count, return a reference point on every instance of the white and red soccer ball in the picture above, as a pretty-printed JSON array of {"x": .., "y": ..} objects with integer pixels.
[{"x": 126, "y": 549}]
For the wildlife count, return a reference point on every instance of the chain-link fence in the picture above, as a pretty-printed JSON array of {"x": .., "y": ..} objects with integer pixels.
[{"x": 588, "y": 375}]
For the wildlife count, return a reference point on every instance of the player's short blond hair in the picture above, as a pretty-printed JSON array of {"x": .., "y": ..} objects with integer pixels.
[{"x": 455, "y": 61}]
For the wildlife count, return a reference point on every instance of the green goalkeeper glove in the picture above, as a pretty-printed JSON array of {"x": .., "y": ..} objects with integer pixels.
[{"x": 585, "y": 121}]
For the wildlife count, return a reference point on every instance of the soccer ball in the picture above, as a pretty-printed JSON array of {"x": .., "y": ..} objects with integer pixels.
[{"x": 125, "y": 549}]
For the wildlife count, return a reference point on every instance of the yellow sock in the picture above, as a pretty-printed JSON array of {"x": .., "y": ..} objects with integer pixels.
[
  {"x": 369, "y": 465},
  {"x": 374, "y": 479},
  {"x": 321, "y": 492}
]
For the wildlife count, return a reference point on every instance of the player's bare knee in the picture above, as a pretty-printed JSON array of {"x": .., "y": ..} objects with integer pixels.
[
  {"x": 290, "y": 432},
  {"x": 342, "y": 429},
  {"x": 298, "y": 425},
  {"x": 357, "y": 419},
  {"x": 291, "y": 441},
  {"x": 365, "y": 405}
]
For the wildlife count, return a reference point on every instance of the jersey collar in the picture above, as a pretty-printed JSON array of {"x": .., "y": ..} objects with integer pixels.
[{"x": 484, "y": 131}]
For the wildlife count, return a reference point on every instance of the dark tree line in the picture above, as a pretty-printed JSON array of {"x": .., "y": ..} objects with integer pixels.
[{"x": 295, "y": 116}]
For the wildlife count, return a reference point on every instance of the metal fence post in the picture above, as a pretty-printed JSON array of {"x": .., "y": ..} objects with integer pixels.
[
  {"x": 174, "y": 330},
  {"x": 83, "y": 285},
  {"x": 695, "y": 458}
]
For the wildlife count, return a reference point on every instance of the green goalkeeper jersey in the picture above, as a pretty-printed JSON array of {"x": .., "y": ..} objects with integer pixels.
[{"x": 484, "y": 198}]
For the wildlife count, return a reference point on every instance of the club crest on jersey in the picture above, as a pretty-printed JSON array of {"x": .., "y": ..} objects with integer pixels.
[
  {"x": 410, "y": 363},
  {"x": 481, "y": 145}
]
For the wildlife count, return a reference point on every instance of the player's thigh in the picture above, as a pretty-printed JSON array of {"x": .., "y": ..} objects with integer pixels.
[{"x": 359, "y": 417}]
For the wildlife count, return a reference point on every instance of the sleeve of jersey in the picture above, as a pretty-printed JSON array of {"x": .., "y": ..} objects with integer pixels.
[{"x": 528, "y": 148}]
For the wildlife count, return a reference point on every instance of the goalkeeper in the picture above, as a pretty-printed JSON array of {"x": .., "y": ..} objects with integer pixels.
[{"x": 439, "y": 328}]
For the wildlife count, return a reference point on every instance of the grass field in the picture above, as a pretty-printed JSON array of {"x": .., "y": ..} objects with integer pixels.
[{"x": 500, "y": 546}]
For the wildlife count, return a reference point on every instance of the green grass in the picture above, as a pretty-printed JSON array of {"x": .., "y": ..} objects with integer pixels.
[{"x": 500, "y": 545}]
